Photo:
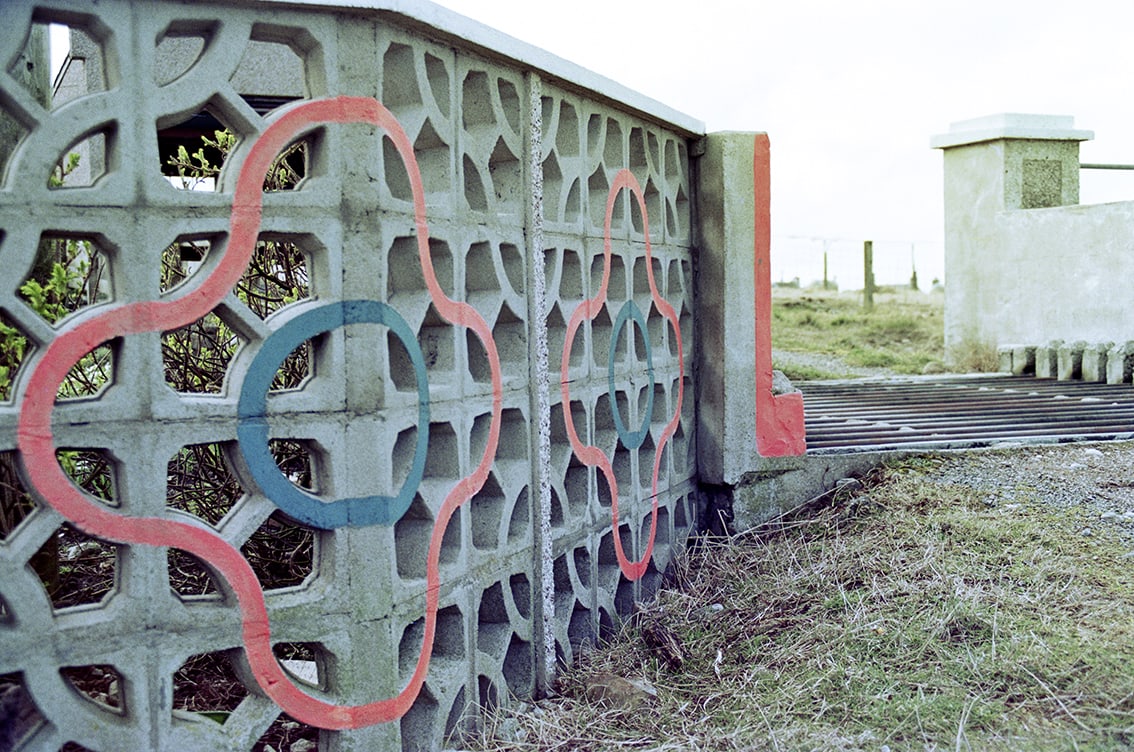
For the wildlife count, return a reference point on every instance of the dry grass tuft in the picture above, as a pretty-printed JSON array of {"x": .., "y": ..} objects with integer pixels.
[
  {"x": 908, "y": 616},
  {"x": 974, "y": 356}
]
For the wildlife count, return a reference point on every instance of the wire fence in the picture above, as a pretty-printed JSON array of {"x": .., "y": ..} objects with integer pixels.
[{"x": 811, "y": 261}]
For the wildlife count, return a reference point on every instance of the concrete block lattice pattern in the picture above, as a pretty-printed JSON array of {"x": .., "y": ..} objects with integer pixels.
[{"x": 458, "y": 451}]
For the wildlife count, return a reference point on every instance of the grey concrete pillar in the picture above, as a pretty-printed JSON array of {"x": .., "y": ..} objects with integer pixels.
[
  {"x": 740, "y": 420},
  {"x": 993, "y": 164},
  {"x": 1094, "y": 362},
  {"x": 725, "y": 327}
]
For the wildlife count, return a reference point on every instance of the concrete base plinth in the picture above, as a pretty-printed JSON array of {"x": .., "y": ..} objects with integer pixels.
[{"x": 779, "y": 485}]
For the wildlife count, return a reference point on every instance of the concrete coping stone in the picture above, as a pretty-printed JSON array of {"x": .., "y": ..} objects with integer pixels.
[
  {"x": 1010, "y": 125},
  {"x": 451, "y": 25}
]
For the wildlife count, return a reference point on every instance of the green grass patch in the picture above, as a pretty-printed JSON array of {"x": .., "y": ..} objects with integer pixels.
[
  {"x": 801, "y": 372},
  {"x": 903, "y": 333},
  {"x": 912, "y": 615}
]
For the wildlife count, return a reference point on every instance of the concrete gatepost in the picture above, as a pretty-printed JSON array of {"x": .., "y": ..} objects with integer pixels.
[
  {"x": 745, "y": 430},
  {"x": 994, "y": 164},
  {"x": 726, "y": 398},
  {"x": 740, "y": 419}
]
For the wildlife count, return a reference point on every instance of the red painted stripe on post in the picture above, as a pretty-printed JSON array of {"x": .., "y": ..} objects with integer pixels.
[{"x": 780, "y": 430}]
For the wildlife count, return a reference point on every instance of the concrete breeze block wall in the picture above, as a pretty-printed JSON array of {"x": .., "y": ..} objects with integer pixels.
[{"x": 490, "y": 455}]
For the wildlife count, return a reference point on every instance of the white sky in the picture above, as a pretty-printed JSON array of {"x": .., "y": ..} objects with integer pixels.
[{"x": 850, "y": 92}]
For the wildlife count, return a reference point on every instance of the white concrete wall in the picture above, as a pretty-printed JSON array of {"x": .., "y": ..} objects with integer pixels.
[
  {"x": 1062, "y": 273},
  {"x": 1025, "y": 263}
]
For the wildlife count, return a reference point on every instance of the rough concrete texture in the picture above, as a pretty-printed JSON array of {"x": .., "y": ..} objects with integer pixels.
[
  {"x": 1120, "y": 363},
  {"x": 1047, "y": 359},
  {"x": 1016, "y": 359},
  {"x": 726, "y": 390},
  {"x": 1026, "y": 263},
  {"x": 446, "y": 564},
  {"x": 1069, "y": 360},
  {"x": 1004, "y": 360},
  {"x": 1094, "y": 361},
  {"x": 777, "y": 485},
  {"x": 741, "y": 414}
]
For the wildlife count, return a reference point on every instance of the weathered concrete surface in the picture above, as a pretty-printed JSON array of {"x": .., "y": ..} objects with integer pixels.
[
  {"x": 1094, "y": 362},
  {"x": 1069, "y": 360},
  {"x": 1061, "y": 274},
  {"x": 725, "y": 327},
  {"x": 1025, "y": 263},
  {"x": 1120, "y": 363},
  {"x": 1047, "y": 359},
  {"x": 444, "y": 159},
  {"x": 741, "y": 415},
  {"x": 778, "y": 485},
  {"x": 1017, "y": 359}
]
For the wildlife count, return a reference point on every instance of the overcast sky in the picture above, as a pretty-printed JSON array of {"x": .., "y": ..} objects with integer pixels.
[{"x": 850, "y": 92}]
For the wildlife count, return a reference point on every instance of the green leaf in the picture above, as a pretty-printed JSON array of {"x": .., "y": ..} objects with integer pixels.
[{"x": 35, "y": 294}]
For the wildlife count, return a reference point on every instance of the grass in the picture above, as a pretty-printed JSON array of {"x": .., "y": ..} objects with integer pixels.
[
  {"x": 903, "y": 333},
  {"x": 911, "y": 614},
  {"x": 972, "y": 355}
]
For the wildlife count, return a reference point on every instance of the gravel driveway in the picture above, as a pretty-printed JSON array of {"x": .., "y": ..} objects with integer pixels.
[
  {"x": 826, "y": 363},
  {"x": 1094, "y": 480}
]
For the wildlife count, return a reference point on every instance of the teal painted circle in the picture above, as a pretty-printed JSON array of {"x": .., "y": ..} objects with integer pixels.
[
  {"x": 252, "y": 425},
  {"x": 630, "y": 440}
]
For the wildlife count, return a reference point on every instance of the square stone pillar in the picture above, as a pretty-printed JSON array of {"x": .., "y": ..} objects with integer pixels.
[
  {"x": 739, "y": 419},
  {"x": 995, "y": 164}
]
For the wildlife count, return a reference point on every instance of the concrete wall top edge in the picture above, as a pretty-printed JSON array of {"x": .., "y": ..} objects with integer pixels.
[
  {"x": 949, "y": 140},
  {"x": 1010, "y": 125},
  {"x": 449, "y": 24},
  {"x": 1094, "y": 213}
]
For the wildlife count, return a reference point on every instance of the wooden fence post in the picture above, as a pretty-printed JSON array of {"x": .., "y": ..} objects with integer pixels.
[{"x": 868, "y": 275}]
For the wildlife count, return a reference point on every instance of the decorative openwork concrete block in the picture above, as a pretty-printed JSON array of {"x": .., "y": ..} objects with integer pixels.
[{"x": 347, "y": 424}]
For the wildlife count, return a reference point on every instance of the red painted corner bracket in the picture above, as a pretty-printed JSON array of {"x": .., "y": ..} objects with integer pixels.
[{"x": 780, "y": 430}]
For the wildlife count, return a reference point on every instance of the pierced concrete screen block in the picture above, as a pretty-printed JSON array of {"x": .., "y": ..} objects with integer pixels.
[
  {"x": 268, "y": 396},
  {"x": 620, "y": 341}
]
